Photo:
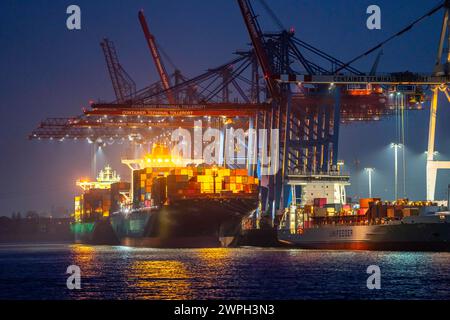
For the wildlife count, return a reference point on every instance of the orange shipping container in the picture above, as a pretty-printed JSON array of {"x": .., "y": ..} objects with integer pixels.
[{"x": 364, "y": 202}]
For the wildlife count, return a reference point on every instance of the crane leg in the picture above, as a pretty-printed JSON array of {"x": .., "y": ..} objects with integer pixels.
[{"x": 431, "y": 170}]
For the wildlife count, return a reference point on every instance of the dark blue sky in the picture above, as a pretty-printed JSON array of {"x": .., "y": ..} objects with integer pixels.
[{"x": 47, "y": 70}]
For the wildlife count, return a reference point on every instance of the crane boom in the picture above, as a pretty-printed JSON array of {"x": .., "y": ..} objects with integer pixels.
[
  {"x": 257, "y": 39},
  {"x": 156, "y": 57},
  {"x": 123, "y": 85}
]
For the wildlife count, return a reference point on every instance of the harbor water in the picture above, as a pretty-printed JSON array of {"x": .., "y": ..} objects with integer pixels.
[{"x": 38, "y": 271}]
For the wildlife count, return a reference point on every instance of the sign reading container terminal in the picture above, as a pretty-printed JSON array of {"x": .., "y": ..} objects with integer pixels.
[
  {"x": 177, "y": 111},
  {"x": 400, "y": 78},
  {"x": 157, "y": 113}
]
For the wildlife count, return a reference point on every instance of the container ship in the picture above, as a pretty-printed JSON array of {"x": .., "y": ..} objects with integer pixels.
[
  {"x": 168, "y": 205},
  {"x": 372, "y": 225},
  {"x": 91, "y": 223}
]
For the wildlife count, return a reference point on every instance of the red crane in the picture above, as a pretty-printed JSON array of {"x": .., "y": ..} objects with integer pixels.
[
  {"x": 257, "y": 38},
  {"x": 156, "y": 57}
]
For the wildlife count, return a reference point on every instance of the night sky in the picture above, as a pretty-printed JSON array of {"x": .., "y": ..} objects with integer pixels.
[{"x": 48, "y": 71}]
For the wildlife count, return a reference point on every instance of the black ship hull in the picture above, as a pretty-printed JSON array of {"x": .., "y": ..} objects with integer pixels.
[
  {"x": 96, "y": 232},
  {"x": 186, "y": 223}
]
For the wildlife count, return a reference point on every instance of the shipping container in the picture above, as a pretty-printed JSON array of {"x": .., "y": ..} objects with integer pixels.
[
  {"x": 320, "y": 202},
  {"x": 364, "y": 203}
]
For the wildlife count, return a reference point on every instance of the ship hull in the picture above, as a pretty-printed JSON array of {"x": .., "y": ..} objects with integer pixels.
[
  {"x": 188, "y": 223},
  {"x": 172, "y": 242},
  {"x": 395, "y": 237},
  {"x": 96, "y": 233}
]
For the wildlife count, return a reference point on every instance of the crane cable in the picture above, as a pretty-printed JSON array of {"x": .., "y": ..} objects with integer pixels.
[
  {"x": 166, "y": 56},
  {"x": 272, "y": 15},
  {"x": 407, "y": 28}
]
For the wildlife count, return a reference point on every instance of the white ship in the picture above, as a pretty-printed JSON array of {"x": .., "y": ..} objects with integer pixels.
[
  {"x": 330, "y": 223},
  {"x": 429, "y": 232}
]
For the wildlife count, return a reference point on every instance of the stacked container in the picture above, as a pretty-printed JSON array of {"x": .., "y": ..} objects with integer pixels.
[{"x": 191, "y": 181}]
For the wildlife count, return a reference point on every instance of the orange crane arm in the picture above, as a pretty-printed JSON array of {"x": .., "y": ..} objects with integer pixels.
[
  {"x": 156, "y": 57},
  {"x": 256, "y": 36}
]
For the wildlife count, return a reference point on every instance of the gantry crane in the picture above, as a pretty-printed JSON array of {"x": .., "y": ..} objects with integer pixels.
[
  {"x": 441, "y": 68},
  {"x": 308, "y": 133},
  {"x": 256, "y": 36},
  {"x": 123, "y": 85},
  {"x": 308, "y": 124},
  {"x": 273, "y": 184},
  {"x": 273, "y": 51},
  {"x": 165, "y": 80},
  {"x": 439, "y": 81}
]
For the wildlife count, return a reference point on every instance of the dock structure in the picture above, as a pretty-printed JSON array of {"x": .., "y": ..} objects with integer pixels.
[{"x": 280, "y": 84}]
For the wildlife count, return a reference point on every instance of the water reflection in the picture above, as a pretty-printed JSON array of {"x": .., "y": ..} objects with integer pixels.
[
  {"x": 164, "y": 279},
  {"x": 241, "y": 273},
  {"x": 214, "y": 257},
  {"x": 83, "y": 256}
]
